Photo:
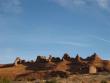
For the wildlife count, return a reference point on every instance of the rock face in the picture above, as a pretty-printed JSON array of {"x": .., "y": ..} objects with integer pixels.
[
  {"x": 92, "y": 69},
  {"x": 96, "y": 61},
  {"x": 106, "y": 65},
  {"x": 63, "y": 66}
]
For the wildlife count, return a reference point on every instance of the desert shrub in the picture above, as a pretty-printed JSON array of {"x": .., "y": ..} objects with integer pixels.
[
  {"x": 25, "y": 79},
  {"x": 31, "y": 79},
  {"x": 59, "y": 74},
  {"x": 51, "y": 81},
  {"x": 4, "y": 80},
  {"x": 103, "y": 81}
]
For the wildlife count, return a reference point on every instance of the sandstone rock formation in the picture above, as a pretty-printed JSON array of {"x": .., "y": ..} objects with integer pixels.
[
  {"x": 95, "y": 57},
  {"x": 92, "y": 64},
  {"x": 66, "y": 57},
  {"x": 78, "y": 58},
  {"x": 56, "y": 59},
  {"x": 92, "y": 69},
  {"x": 17, "y": 61},
  {"x": 41, "y": 59}
]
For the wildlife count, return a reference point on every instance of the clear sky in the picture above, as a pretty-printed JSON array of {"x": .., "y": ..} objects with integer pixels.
[{"x": 41, "y": 27}]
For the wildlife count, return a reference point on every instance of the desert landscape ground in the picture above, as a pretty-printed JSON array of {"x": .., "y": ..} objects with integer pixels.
[
  {"x": 92, "y": 69},
  {"x": 30, "y": 30}
]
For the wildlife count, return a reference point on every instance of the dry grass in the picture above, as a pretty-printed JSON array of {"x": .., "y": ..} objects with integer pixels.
[
  {"x": 86, "y": 79},
  {"x": 11, "y": 72}
]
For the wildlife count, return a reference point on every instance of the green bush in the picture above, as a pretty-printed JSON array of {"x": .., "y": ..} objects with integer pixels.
[{"x": 51, "y": 81}]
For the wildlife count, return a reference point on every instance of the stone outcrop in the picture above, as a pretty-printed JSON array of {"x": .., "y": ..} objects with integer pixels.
[
  {"x": 66, "y": 57},
  {"x": 56, "y": 59},
  {"x": 96, "y": 61},
  {"x": 92, "y": 64},
  {"x": 95, "y": 57},
  {"x": 77, "y": 58},
  {"x": 106, "y": 65},
  {"x": 17, "y": 61},
  {"x": 92, "y": 69},
  {"x": 41, "y": 59}
]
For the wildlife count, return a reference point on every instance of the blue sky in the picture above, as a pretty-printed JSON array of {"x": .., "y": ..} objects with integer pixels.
[{"x": 41, "y": 27}]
